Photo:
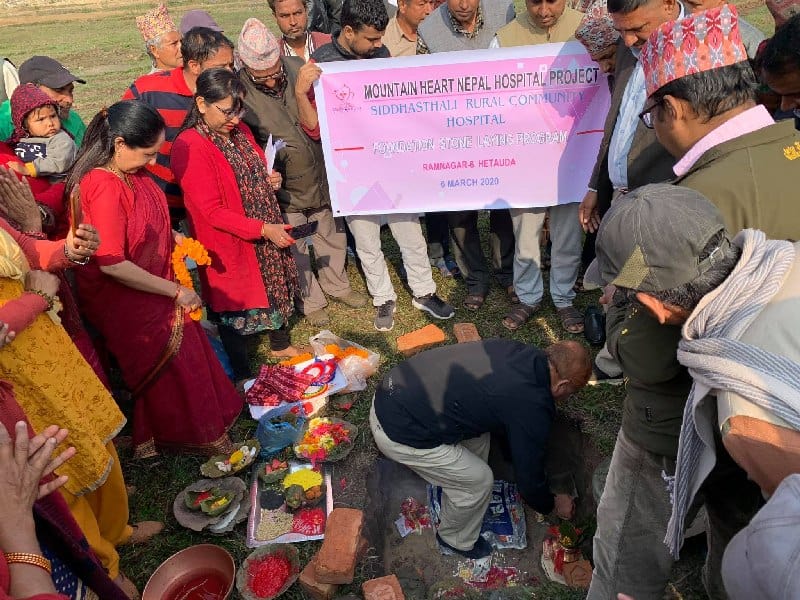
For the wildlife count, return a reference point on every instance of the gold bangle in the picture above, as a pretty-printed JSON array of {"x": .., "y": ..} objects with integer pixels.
[
  {"x": 26, "y": 558},
  {"x": 51, "y": 300}
]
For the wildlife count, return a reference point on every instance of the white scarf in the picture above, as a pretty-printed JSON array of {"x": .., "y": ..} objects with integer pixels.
[{"x": 718, "y": 361}]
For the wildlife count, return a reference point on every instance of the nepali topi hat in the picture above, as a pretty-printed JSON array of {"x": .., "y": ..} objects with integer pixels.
[
  {"x": 257, "y": 48},
  {"x": 155, "y": 22},
  {"x": 701, "y": 42},
  {"x": 596, "y": 30}
]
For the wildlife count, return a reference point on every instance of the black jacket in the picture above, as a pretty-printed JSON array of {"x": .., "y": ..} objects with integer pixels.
[
  {"x": 453, "y": 393},
  {"x": 334, "y": 51}
]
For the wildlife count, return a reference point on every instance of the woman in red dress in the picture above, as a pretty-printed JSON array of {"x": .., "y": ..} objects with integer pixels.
[
  {"x": 252, "y": 282},
  {"x": 183, "y": 400}
]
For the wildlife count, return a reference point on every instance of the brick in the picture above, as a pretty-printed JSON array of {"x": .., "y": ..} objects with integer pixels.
[
  {"x": 383, "y": 588},
  {"x": 313, "y": 588},
  {"x": 416, "y": 341},
  {"x": 578, "y": 574},
  {"x": 338, "y": 556},
  {"x": 466, "y": 332}
]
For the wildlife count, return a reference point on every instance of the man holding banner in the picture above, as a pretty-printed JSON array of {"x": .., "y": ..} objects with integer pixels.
[
  {"x": 363, "y": 25},
  {"x": 471, "y": 25},
  {"x": 545, "y": 21}
]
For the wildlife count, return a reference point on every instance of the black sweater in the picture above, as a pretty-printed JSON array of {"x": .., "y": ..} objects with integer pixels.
[
  {"x": 334, "y": 51},
  {"x": 449, "y": 394}
]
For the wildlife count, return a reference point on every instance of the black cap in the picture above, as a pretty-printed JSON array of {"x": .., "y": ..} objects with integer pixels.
[{"x": 46, "y": 71}]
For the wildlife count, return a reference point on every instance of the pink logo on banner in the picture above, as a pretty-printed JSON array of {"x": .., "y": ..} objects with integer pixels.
[{"x": 482, "y": 131}]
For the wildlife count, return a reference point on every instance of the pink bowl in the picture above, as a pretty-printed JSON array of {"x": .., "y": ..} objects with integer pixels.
[{"x": 204, "y": 568}]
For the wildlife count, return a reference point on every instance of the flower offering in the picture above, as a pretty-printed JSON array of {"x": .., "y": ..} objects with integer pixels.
[
  {"x": 189, "y": 248},
  {"x": 325, "y": 440}
]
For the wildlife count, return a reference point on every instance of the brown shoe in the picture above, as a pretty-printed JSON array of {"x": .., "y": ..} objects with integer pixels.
[
  {"x": 143, "y": 531},
  {"x": 353, "y": 299},
  {"x": 127, "y": 587}
]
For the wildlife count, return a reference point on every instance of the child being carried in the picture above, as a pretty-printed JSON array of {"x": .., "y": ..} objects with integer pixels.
[{"x": 45, "y": 149}]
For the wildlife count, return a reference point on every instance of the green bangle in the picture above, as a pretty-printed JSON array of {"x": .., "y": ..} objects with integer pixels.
[{"x": 48, "y": 298}]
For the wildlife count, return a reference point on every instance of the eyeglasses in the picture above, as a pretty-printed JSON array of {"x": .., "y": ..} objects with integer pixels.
[
  {"x": 231, "y": 113},
  {"x": 274, "y": 77},
  {"x": 647, "y": 114}
]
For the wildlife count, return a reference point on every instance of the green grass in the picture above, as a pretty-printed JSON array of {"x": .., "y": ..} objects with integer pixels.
[{"x": 100, "y": 43}]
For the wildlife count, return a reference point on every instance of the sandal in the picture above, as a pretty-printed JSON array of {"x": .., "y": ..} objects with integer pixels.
[
  {"x": 519, "y": 315},
  {"x": 474, "y": 301},
  {"x": 512, "y": 295},
  {"x": 571, "y": 319}
]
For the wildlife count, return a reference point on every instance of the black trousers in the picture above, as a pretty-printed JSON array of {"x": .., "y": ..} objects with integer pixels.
[
  {"x": 236, "y": 346},
  {"x": 469, "y": 254},
  {"x": 437, "y": 232}
]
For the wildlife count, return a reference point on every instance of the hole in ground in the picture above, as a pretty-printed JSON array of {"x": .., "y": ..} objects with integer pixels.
[{"x": 415, "y": 559}]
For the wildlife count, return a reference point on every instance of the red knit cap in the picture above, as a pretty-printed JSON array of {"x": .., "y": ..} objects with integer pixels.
[{"x": 26, "y": 97}]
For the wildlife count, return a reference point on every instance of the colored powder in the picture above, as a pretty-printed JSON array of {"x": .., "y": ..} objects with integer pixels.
[{"x": 306, "y": 478}]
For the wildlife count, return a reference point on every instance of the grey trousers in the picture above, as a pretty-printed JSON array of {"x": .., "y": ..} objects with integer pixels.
[
  {"x": 630, "y": 556},
  {"x": 566, "y": 236},
  {"x": 462, "y": 472},
  {"x": 329, "y": 252},
  {"x": 407, "y": 232}
]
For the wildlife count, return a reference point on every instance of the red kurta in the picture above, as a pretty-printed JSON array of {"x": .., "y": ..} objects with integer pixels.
[{"x": 192, "y": 403}]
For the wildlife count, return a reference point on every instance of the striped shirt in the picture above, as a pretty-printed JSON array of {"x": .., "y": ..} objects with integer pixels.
[{"x": 167, "y": 92}]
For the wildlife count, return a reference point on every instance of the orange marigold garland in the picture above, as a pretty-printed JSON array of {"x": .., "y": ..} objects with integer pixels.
[{"x": 189, "y": 248}]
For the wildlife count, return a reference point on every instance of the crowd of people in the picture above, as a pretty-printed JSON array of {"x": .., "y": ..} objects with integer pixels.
[{"x": 687, "y": 225}]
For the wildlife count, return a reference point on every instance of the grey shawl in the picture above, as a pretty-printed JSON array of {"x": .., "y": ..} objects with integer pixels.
[{"x": 718, "y": 361}]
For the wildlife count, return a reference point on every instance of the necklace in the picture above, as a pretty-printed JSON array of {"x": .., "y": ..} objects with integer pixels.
[{"x": 123, "y": 176}]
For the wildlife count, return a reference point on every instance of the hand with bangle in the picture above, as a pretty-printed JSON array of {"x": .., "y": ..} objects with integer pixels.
[
  {"x": 81, "y": 246},
  {"x": 24, "y": 462},
  {"x": 43, "y": 284}
]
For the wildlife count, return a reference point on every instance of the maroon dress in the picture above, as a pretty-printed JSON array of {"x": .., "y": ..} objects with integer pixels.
[{"x": 183, "y": 399}]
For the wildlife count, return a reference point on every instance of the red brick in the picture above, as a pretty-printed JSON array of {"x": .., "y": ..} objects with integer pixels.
[
  {"x": 383, "y": 588},
  {"x": 314, "y": 588},
  {"x": 338, "y": 556},
  {"x": 416, "y": 341},
  {"x": 466, "y": 332},
  {"x": 578, "y": 574}
]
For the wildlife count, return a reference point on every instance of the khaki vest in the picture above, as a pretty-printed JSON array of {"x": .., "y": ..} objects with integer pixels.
[
  {"x": 438, "y": 33},
  {"x": 301, "y": 163},
  {"x": 523, "y": 32}
]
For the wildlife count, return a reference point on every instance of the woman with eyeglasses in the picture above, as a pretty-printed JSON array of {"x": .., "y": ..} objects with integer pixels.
[
  {"x": 229, "y": 194},
  {"x": 183, "y": 401}
]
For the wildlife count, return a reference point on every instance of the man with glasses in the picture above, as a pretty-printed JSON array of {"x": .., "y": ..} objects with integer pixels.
[
  {"x": 701, "y": 101},
  {"x": 727, "y": 146},
  {"x": 270, "y": 80},
  {"x": 171, "y": 92}
]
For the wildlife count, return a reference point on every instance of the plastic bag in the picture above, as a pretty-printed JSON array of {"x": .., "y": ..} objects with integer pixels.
[
  {"x": 216, "y": 345},
  {"x": 274, "y": 437},
  {"x": 504, "y": 521},
  {"x": 357, "y": 369}
]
